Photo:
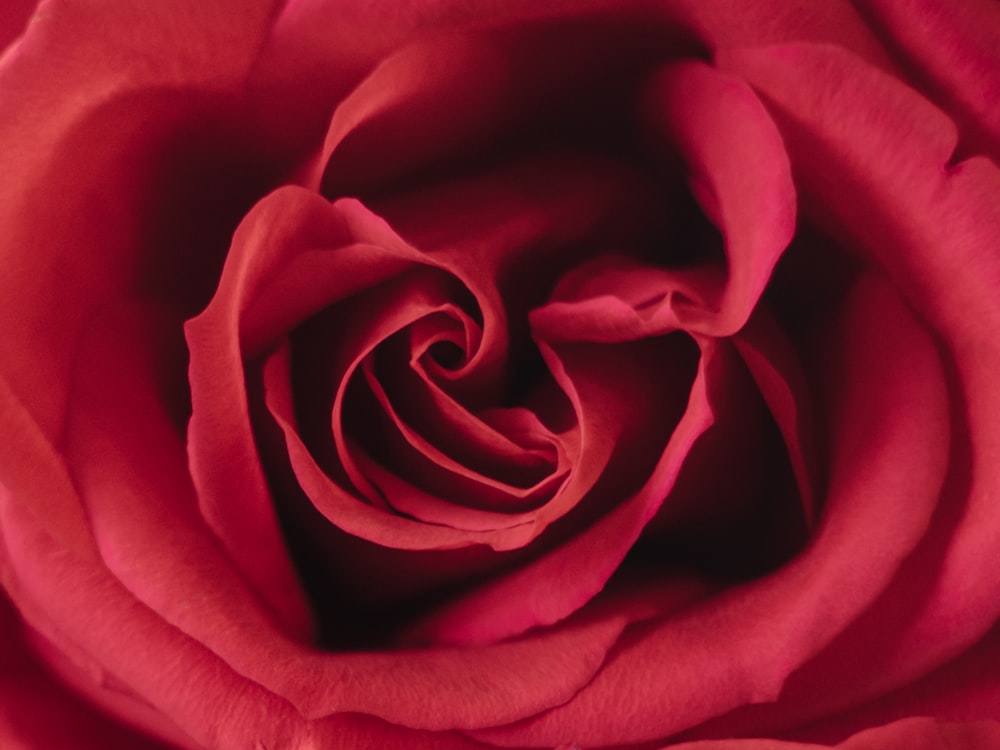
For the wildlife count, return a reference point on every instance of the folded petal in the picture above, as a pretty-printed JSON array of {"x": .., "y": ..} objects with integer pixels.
[
  {"x": 875, "y": 170},
  {"x": 888, "y": 421},
  {"x": 201, "y": 647},
  {"x": 739, "y": 173}
]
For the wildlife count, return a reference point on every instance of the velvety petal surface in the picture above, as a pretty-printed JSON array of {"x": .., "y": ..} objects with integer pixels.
[
  {"x": 915, "y": 733},
  {"x": 37, "y": 711},
  {"x": 401, "y": 346},
  {"x": 197, "y": 635},
  {"x": 92, "y": 116},
  {"x": 932, "y": 226},
  {"x": 954, "y": 51},
  {"x": 740, "y": 176},
  {"x": 741, "y": 646},
  {"x": 319, "y": 52},
  {"x": 14, "y": 17},
  {"x": 964, "y": 689}
]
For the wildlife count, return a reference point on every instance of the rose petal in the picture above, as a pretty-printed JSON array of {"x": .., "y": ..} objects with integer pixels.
[
  {"x": 213, "y": 705},
  {"x": 359, "y": 328},
  {"x": 735, "y": 512},
  {"x": 199, "y": 647},
  {"x": 88, "y": 102},
  {"x": 456, "y": 480},
  {"x": 908, "y": 734},
  {"x": 14, "y": 17},
  {"x": 965, "y": 689},
  {"x": 778, "y": 374},
  {"x": 35, "y": 473},
  {"x": 510, "y": 447},
  {"x": 274, "y": 280},
  {"x": 564, "y": 579},
  {"x": 955, "y": 48},
  {"x": 889, "y": 410},
  {"x": 739, "y": 173},
  {"x": 933, "y": 228},
  {"x": 80, "y": 606},
  {"x": 37, "y": 711},
  {"x": 282, "y": 267},
  {"x": 399, "y": 103},
  {"x": 318, "y": 52},
  {"x": 346, "y": 510},
  {"x": 409, "y": 79}
]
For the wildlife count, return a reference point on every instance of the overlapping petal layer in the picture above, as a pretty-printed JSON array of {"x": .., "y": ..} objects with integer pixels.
[{"x": 152, "y": 573}]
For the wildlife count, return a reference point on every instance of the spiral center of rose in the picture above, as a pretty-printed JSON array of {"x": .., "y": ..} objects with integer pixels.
[
  {"x": 482, "y": 333},
  {"x": 428, "y": 410}
]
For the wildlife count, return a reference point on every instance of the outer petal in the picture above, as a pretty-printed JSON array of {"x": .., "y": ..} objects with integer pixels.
[
  {"x": 873, "y": 162},
  {"x": 966, "y": 689},
  {"x": 320, "y": 50},
  {"x": 956, "y": 49},
  {"x": 36, "y": 711},
  {"x": 94, "y": 125},
  {"x": 909, "y": 734},
  {"x": 197, "y": 645}
]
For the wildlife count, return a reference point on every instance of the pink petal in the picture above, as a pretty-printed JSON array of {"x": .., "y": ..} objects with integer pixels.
[
  {"x": 955, "y": 48},
  {"x": 91, "y": 155},
  {"x": 37, "y": 711},
  {"x": 563, "y": 580},
  {"x": 283, "y": 264},
  {"x": 909, "y": 734},
  {"x": 739, "y": 173},
  {"x": 14, "y": 17},
  {"x": 889, "y": 415},
  {"x": 874, "y": 159}
]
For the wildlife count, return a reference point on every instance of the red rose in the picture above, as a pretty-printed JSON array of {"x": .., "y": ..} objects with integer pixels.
[{"x": 499, "y": 374}]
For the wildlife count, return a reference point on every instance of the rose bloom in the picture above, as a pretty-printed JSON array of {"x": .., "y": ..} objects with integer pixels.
[{"x": 472, "y": 374}]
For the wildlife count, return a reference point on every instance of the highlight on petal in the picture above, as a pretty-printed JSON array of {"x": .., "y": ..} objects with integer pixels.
[{"x": 14, "y": 17}]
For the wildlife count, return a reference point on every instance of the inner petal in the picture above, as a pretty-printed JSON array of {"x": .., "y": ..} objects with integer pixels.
[
  {"x": 462, "y": 430},
  {"x": 740, "y": 175},
  {"x": 458, "y": 466}
]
